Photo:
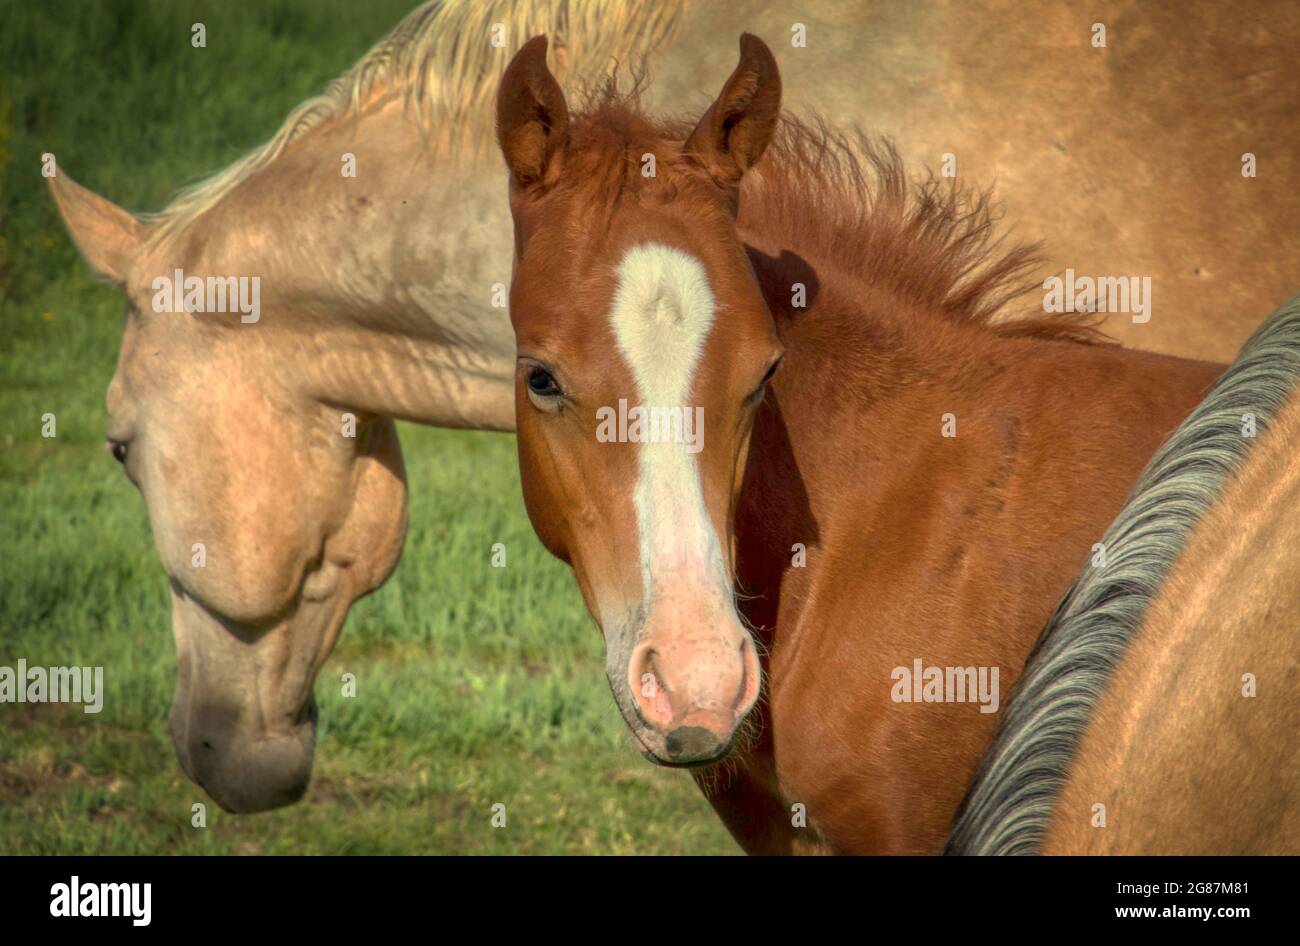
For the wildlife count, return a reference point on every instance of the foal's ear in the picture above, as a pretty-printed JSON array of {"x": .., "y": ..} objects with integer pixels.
[
  {"x": 739, "y": 124},
  {"x": 532, "y": 119}
]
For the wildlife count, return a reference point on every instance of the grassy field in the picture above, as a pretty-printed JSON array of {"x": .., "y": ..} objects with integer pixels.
[{"x": 477, "y": 686}]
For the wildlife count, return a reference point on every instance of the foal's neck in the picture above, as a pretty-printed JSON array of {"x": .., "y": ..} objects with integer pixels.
[
  {"x": 860, "y": 383},
  {"x": 917, "y": 427}
]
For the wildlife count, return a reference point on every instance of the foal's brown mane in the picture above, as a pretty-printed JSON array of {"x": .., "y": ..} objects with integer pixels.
[
  {"x": 843, "y": 201},
  {"x": 846, "y": 200}
]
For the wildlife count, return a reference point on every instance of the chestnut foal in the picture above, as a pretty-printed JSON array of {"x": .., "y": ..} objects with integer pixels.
[{"x": 908, "y": 496}]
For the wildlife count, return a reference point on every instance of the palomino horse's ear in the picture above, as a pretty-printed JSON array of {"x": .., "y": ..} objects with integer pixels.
[
  {"x": 108, "y": 236},
  {"x": 532, "y": 118},
  {"x": 738, "y": 126}
]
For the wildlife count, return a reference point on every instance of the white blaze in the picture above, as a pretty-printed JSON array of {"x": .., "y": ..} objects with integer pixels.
[{"x": 662, "y": 315}]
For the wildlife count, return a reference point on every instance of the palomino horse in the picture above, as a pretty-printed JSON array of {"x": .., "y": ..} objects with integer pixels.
[
  {"x": 385, "y": 316},
  {"x": 263, "y": 442},
  {"x": 1158, "y": 713},
  {"x": 913, "y": 488}
]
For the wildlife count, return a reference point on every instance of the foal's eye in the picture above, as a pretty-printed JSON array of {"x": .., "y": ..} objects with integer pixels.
[
  {"x": 118, "y": 449},
  {"x": 542, "y": 383},
  {"x": 762, "y": 385}
]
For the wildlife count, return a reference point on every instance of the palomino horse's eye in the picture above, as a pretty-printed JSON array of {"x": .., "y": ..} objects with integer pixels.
[
  {"x": 542, "y": 383},
  {"x": 118, "y": 449}
]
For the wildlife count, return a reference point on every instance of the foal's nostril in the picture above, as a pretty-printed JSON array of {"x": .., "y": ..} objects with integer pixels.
[
  {"x": 691, "y": 742},
  {"x": 649, "y": 694}
]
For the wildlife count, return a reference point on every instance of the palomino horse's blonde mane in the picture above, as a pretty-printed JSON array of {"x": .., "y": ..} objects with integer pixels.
[{"x": 442, "y": 61}]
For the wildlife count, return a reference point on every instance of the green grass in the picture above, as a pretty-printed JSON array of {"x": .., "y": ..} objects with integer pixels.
[{"x": 476, "y": 686}]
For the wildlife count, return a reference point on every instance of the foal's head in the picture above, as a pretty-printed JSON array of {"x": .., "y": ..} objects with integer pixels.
[{"x": 644, "y": 347}]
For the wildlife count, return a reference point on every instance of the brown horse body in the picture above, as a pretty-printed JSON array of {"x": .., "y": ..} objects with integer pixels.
[
  {"x": 950, "y": 550},
  {"x": 945, "y": 473}
]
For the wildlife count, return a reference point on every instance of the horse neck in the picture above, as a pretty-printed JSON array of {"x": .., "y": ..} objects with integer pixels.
[
  {"x": 852, "y": 441},
  {"x": 385, "y": 280},
  {"x": 851, "y": 384}
]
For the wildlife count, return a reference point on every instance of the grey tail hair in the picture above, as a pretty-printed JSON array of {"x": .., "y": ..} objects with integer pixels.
[{"x": 1009, "y": 802}]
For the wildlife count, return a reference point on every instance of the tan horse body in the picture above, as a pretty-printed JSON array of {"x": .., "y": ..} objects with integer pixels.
[
  {"x": 1157, "y": 712},
  {"x": 1125, "y": 159},
  {"x": 1193, "y": 749}
]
